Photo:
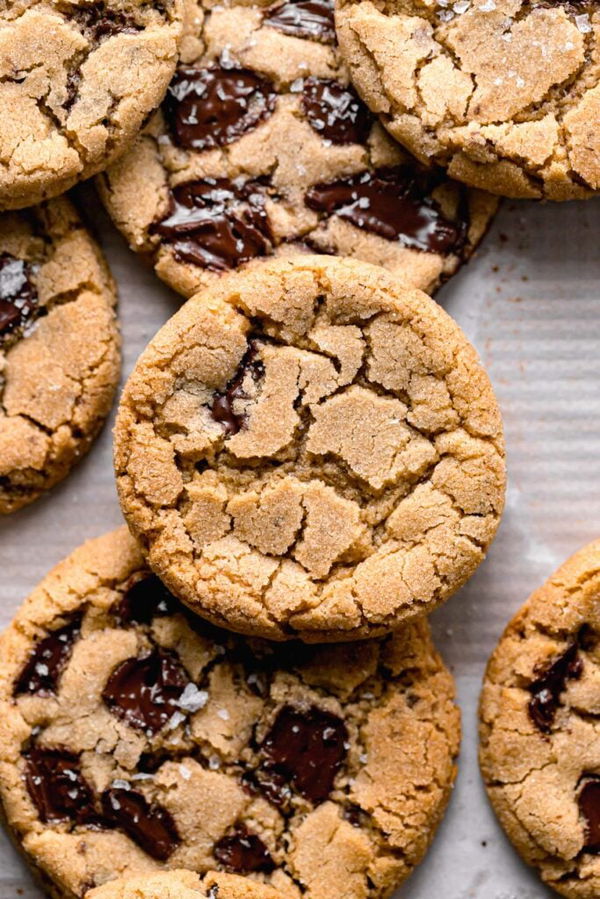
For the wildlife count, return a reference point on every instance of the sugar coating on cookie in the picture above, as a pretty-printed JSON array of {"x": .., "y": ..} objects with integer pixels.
[
  {"x": 77, "y": 82},
  {"x": 59, "y": 347},
  {"x": 262, "y": 147},
  {"x": 504, "y": 93},
  {"x": 311, "y": 449},
  {"x": 540, "y": 733},
  {"x": 136, "y": 738},
  {"x": 184, "y": 885}
]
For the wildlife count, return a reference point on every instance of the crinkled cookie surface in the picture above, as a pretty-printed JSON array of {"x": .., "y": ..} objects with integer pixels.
[
  {"x": 135, "y": 738},
  {"x": 540, "y": 728},
  {"x": 77, "y": 81},
  {"x": 262, "y": 147},
  {"x": 311, "y": 449},
  {"x": 184, "y": 885},
  {"x": 59, "y": 347},
  {"x": 504, "y": 93}
]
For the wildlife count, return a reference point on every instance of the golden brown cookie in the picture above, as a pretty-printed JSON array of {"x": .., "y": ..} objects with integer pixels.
[
  {"x": 540, "y": 728},
  {"x": 311, "y": 449},
  {"x": 135, "y": 739},
  {"x": 505, "y": 94},
  {"x": 59, "y": 348},
  {"x": 77, "y": 81},
  {"x": 262, "y": 147},
  {"x": 184, "y": 885}
]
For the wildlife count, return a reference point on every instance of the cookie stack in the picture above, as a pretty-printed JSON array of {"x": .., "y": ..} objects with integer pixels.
[{"x": 238, "y": 696}]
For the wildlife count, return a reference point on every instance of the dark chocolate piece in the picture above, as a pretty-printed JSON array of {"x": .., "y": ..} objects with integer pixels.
[
  {"x": 216, "y": 223},
  {"x": 215, "y": 106},
  {"x": 306, "y": 749},
  {"x": 242, "y": 851},
  {"x": 145, "y": 692},
  {"x": 589, "y": 807},
  {"x": 57, "y": 788},
  {"x": 552, "y": 681},
  {"x": 146, "y": 598},
  {"x": 335, "y": 112},
  {"x": 222, "y": 408},
  {"x": 47, "y": 660},
  {"x": 18, "y": 296},
  {"x": 395, "y": 204},
  {"x": 312, "y": 19},
  {"x": 150, "y": 826}
]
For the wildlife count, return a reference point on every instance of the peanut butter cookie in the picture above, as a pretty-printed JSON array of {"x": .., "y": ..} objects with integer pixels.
[
  {"x": 505, "y": 94},
  {"x": 262, "y": 147},
  {"x": 59, "y": 348},
  {"x": 540, "y": 728},
  {"x": 135, "y": 739},
  {"x": 311, "y": 449}
]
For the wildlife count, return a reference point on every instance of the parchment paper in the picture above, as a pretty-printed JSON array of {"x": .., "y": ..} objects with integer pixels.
[{"x": 530, "y": 302}]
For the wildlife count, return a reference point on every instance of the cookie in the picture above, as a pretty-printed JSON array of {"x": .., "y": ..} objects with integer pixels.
[
  {"x": 59, "y": 347},
  {"x": 135, "y": 738},
  {"x": 311, "y": 449},
  {"x": 262, "y": 147},
  {"x": 540, "y": 728},
  {"x": 505, "y": 94},
  {"x": 184, "y": 885},
  {"x": 77, "y": 82}
]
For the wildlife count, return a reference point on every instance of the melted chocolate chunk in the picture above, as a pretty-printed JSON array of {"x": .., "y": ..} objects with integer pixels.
[
  {"x": 217, "y": 224},
  {"x": 306, "y": 749},
  {"x": 47, "y": 660},
  {"x": 57, "y": 787},
  {"x": 335, "y": 112},
  {"x": 312, "y": 19},
  {"x": 552, "y": 681},
  {"x": 18, "y": 296},
  {"x": 222, "y": 408},
  {"x": 103, "y": 22},
  {"x": 213, "y": 107},
  {"x": 150, "y": 826},
  {"x": 242, "y": 851},
  {"x": 395, "y": 204},
  {"x": 145, "y": 692},
  {"x": 145, "y": 599},
  {"x": 589, "y": 808}
]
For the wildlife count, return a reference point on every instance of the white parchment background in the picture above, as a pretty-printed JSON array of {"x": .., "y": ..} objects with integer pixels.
[{"x": 530, "y": 302}]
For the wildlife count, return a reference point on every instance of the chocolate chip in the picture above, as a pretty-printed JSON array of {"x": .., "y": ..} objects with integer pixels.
[
  {"x": 145, "y": 692},
  {"x": 589, "y": 807},
  {"x": 552, "y": 681},
  {"x": 216, "y": 223},
  {"x": 18, "y": 296},
  {"x": 312, "y": 19},
  {"x": 223, "y": 406},
  {"x": 395, "y": 204},
  {"x": 213, "y": 107},
  {"x": 242, "y": 851},
  {"x": 57, "y": 788},
  {"x": 47, "y": 661},
  {"x": 146, "y": 598},
  {"x": 150, "y": 826},
  {"x": 335, "y": 112},
  {"x": 306, "y": 749}
]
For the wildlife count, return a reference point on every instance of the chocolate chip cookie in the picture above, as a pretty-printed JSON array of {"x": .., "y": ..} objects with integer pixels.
[
  {"x": 77, "y": 81},
  {"x": 262, "y": 147},
  {"x": 59, "y": 347},
  {"x": 505, "y": 94},
  {"x": 540, "y": 728},
  {"x": 311, "y": 449},
  {"x": 184, "y": 885},
  {"x": 135, "y": 738}
]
